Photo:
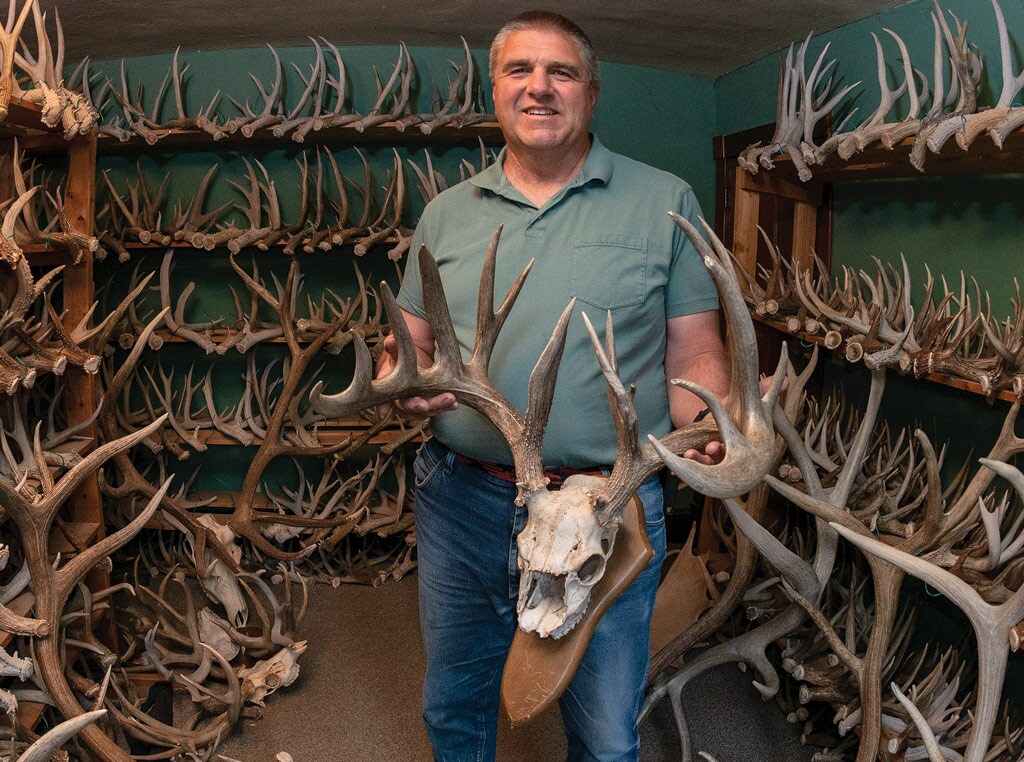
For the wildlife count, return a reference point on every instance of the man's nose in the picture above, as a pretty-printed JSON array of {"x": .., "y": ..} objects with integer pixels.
[{"x": 540, "y": 82}]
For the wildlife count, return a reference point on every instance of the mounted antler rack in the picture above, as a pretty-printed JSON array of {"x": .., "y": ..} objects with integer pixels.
[
  {"x": 323, "y": 111},
  {"x": 922, "y": 139},
  {"x": 950, "y": 338}
]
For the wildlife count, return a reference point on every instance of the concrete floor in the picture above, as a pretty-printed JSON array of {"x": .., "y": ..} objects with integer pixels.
[{"x": 358, "y": 699}]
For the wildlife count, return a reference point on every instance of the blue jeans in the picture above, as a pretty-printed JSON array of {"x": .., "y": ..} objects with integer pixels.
[{"x": 466, "y": 528}]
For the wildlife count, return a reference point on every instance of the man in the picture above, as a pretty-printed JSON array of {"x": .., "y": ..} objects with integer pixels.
[{"x": 596, "y": 226}]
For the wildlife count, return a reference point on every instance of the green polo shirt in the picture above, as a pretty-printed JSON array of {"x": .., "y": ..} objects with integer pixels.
[{"x": 605, "y": 239}]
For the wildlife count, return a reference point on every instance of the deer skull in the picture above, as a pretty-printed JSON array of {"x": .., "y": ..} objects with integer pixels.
[
  {"x": 563, "y": 551},
  {"x": 219, "y": 583},
  {"x": 266, "y": 676}
]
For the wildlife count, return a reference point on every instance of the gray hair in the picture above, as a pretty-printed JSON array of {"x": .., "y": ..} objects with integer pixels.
[{"x": 551, "y": 22}]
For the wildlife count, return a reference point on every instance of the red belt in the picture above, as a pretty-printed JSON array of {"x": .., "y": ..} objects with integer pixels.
[{"x": 507, "y": 473}]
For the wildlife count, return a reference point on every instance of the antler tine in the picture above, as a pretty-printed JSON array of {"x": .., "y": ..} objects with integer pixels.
[
  {"x": 811, "y": 114},
  {"x": 741, "y": 336},
  {"x": 488, "y": 322},
  {"x": 991, "y": 626},
  {"x": 8, "y": 45},
  {"x": 751, "y": 439},
  {"x": 436, "y": 306},
  {"x": 526, "y": 451},
  {"x": 315, "y": 78},
  {"x": 448, "y": 373},
  {"x": 47, "y": 746},
  {"x": 363, "y": 391},
  {"x": 620, "y": 400},
  {"x": 749, "y": 446}
]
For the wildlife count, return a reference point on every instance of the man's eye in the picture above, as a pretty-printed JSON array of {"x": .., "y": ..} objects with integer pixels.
[{"x": 561, "y": 74}]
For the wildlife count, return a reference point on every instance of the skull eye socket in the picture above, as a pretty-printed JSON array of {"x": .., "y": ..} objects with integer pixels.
[{"x": 591, "y": 567}]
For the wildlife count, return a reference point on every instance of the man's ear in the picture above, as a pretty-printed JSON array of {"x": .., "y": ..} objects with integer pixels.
[{"x": 595, "y": 90}]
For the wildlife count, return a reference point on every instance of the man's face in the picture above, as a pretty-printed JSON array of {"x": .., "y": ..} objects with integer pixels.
[{"x": 543, "y": 97}]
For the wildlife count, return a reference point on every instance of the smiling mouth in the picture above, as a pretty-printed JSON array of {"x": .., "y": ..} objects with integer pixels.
[{"x": 539, "y": 112}]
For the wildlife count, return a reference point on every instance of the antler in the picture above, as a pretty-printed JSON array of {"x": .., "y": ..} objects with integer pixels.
[
  {"x": 744, "y": 422},
  {"x": 745, "y": 425},
  {"x": 467, "y": 381}
]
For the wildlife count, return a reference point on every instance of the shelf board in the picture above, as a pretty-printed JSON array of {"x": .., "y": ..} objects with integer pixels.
[
  {"x": 39, "y": 255},
  {"x": 143, "y": 681},
  {"x": 29, "y": 714},
  {"x": 84, "y": 533},
  {"x": 877, "y": 162},
  {"x": 219, "y": 335},
  {"x": 336, "y": 433},
  {"x": 226, "y": 501},
  {"x": 24, "y": 122},
  {"x": 386, "y": 134},
  {"x": 938, "y": 378},
  {"x": 138, "y": 246}
]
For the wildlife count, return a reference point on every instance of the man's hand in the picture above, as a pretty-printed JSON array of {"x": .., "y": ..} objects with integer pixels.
[
  {"x": 714, "y": 451},
  {"x": 411, "y": 408}
]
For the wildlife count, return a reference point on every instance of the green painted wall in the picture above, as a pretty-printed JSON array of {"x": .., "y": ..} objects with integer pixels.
[
  {"x": 968, "y": 224},
  {"x": 663, "y": 118}
]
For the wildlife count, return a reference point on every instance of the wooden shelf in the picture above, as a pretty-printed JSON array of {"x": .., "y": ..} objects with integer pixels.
[
  {"x": 24, "y": 122},
  {"x": 334, "y": 433},
  {"x": 143, "y": 681},
  {"x": 877, "y": 162},
  {"x": 29, "y": 714},
  {"x": 178, "y": 140},
  {"x": 937, "y": 378},
  {"x": 84, "y": 532},
  {"x": 219, "y": 335},
  {"x": 42, "y": 257},
  {"x": 220, "y": 507},
  {"x": 137, "y": 246}
]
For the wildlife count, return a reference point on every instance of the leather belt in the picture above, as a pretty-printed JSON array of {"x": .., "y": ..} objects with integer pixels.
[{"x": 507, "y": 473}]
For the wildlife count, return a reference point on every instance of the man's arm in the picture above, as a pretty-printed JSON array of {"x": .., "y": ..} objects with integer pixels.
[
  {"x": 414, "y": 408},
  {"x": 694, "y": 351}
]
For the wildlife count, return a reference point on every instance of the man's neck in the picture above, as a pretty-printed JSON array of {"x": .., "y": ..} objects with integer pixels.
[{"x": 539, "y": 176}]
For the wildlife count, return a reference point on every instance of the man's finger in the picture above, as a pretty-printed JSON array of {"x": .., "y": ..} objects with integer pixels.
[
  {"x": 413, "y": 405},
  {"x": 698, "y": 457},
  {"x": 424, "y": 407},
  {"x": 445, "y": 401}
]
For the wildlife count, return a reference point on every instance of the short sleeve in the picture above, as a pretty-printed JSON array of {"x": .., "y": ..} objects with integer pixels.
[
  {"x": 410, "y": 295},
  {"x": 689, "y": 288}
]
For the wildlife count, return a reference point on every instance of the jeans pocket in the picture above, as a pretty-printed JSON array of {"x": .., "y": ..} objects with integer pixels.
[
  {"x": 652, "y": 496},
  {"x": 428, "y": 462}
]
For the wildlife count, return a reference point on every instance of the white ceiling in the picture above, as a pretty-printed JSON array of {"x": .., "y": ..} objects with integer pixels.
[{"x": 701, "y": 37}]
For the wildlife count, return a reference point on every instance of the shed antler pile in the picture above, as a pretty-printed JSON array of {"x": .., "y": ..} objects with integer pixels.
[{"x": 586, "y": 512}]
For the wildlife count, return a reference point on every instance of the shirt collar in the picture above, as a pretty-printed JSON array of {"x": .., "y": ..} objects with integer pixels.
[{"x": 598, "y": 166}]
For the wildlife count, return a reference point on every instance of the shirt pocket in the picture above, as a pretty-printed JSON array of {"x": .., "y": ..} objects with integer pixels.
[{"x": 609, "y": 271}]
